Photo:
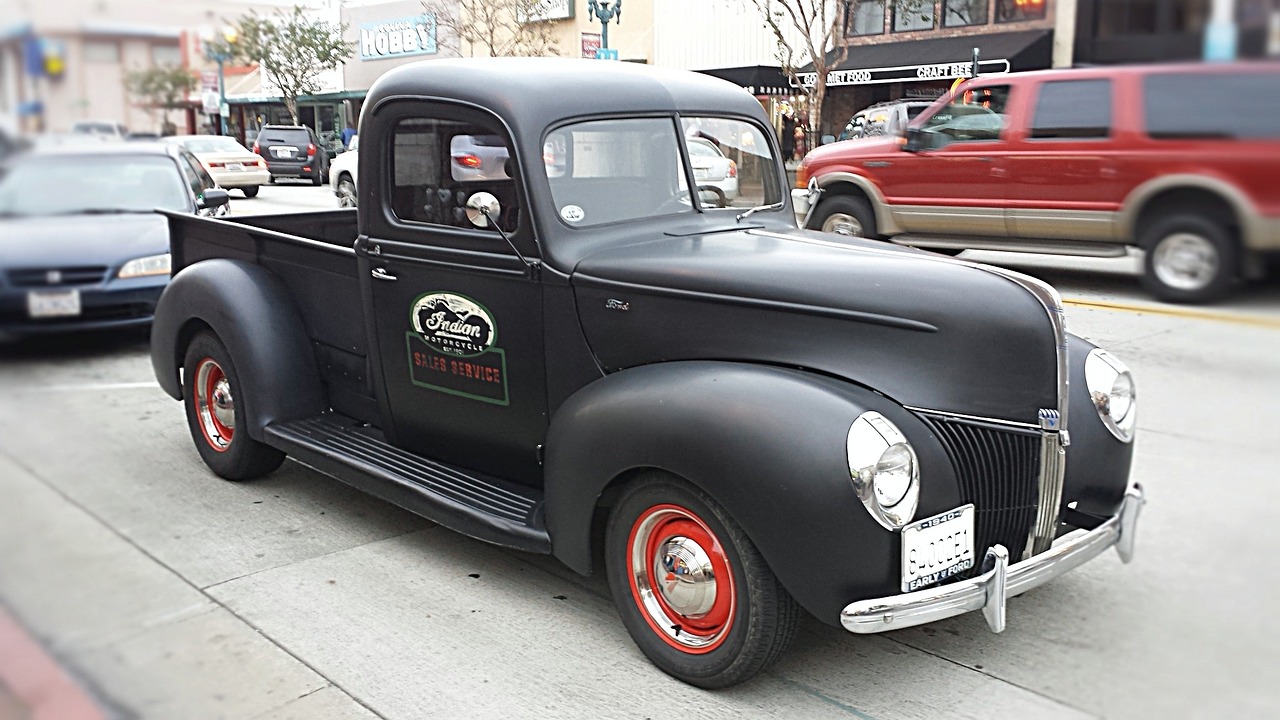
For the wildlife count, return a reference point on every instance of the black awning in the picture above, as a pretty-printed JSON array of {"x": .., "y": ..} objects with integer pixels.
[
  {"x": 1025, "y": 50},
  {"x": 757, "y": 79}
]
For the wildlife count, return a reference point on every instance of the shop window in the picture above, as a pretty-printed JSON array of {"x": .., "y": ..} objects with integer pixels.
[
  {"x": 864, "y": 17},
  {"x": 911, "y": 15},
  {"x": 1073, "y": 109},
  {"x": 958, "y": 13},
  {"x": 98, "y": 51},
  {"x": 437, "y": 165},
  {"x": 1118, "y": 18},
  {"x": 166, "y": 55},
  {"x": 1016, "y": 10}
]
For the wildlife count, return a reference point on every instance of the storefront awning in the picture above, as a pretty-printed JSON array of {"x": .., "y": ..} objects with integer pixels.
[
  {"x": 757, "y": 79},
  {"x": 939, "y": 58}
]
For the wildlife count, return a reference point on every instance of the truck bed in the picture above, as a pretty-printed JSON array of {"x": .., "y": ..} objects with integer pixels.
[{"x": 313, "y": 253}]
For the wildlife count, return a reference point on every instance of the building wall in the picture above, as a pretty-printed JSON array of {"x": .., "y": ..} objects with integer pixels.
[
  {"x": 712, "y": 34},
  {"x": 888, "y": 35}
]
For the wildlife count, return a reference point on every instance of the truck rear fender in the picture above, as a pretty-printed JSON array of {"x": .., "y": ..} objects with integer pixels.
[
  {"x": 252, "y": 313},
  {"x": 767, "y": 443},
  {"x": 852, "y": 183}
]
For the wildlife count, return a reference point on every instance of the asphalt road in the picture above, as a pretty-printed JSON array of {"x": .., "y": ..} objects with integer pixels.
[{"x": 172, "y": 594}]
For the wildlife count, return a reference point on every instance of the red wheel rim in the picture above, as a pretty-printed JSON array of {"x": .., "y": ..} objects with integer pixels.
[
  {"x": 681, "y": 579},
  {"x": 215, "y": 406}
]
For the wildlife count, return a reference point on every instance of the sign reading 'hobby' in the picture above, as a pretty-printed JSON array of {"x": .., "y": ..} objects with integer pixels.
[{"x": 398, "y": 38}]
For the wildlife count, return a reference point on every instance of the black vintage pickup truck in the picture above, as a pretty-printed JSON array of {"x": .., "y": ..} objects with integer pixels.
[{"x": 574, "y": 316}]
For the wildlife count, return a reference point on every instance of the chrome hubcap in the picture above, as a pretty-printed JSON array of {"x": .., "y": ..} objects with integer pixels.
[
  {"x": 1185, "y": 261},
  {"x": 680, "y": 578},
  {"x": 346, "y": 195},
  {"x": 215, "y": 406},
  {"x": 843, "y": 224}
]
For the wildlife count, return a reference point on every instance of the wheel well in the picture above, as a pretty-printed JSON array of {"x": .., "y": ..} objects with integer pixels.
[
  {"x": 1193, "y": 201},
  {"x": 344, "y": 175},
  {"x": 847, "y": 188},
  {"x": 189, "y": 330}
]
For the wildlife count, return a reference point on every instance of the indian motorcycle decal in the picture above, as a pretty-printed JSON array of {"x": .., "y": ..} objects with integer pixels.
[{"x": 451, "y": 348}]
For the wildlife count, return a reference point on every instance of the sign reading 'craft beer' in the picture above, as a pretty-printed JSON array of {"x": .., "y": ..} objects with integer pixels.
[{"x": 398, "y": 38}]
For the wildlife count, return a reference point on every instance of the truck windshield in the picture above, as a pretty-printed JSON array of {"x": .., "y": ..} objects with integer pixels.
[{"x": 606, "y": 171}]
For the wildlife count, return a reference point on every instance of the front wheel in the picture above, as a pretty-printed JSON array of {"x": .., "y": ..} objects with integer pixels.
[
  {"x": 215, "y": 418},
  {"x": 844, "y": 215},
  {"x": 694, "y": 593},
  {"x": 1190, "y": 259},
  {"x": 346, "y": 192}
]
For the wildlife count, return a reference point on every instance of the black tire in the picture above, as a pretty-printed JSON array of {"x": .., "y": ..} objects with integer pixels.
[
  {"x": 346, "y": 192},
  {"x": 318, "y": 179},
  {"x": 844, "y": 215},
  {"x": 730, "y": 640},
  {"x": 226, "y": 449},
  {"x": 1189, "y": 259},
  {"x": 251, "y": 191},
  {"x": 271, "y": 180}
]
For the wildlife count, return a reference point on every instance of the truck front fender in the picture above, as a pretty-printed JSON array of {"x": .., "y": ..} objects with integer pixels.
[
  {"x": 252, "y": 313},
  {"x": 767, "y": 443}
]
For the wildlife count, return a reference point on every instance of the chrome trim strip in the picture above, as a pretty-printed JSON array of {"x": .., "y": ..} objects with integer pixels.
[
  {"x": 989, "y": 591},
  {"x": 973, "y": 418},
  {"x": 1053, "y": 470}
]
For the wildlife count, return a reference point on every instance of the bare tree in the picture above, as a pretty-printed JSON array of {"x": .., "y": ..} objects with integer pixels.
[
  {"x": 162, "y": 87},
  {"x": 494, "y": 28},
  {"x": 808, "y": 32},
  {"x": 292, "y": 49}
]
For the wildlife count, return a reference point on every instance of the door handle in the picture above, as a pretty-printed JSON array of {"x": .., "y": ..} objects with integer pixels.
[{"x": 382, "y": 274}]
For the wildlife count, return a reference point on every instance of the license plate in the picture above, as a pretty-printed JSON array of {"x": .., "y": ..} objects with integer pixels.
[
  {"x": 285, "y": 152},
  {"x": 235, "y": 167},
  {"x": 936, "y": 548},
  {"x": 53, "y": 304},
  {"x": 701, "y": 173}
]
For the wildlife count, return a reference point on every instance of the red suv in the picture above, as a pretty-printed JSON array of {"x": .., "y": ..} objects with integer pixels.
[{"x": 1182, "y": 161}]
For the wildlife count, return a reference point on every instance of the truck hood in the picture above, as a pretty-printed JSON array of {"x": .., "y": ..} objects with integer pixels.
[
  {"x": 925, "y": 330},
  {"x": 882, "y": 145}
]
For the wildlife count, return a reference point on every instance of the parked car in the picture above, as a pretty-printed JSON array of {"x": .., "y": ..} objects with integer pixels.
[
  {"x": 885, "y": 118},
  {"x": 343, "y": 173},
  {"x": 479, "y": 157},
  {"x": 104, "y": 128},
  {"x": 292, "y": 151},
  {"x": 711, "y": 169},
  {"x": 80, "y": 253},
  {"x": 229, "y": 163},
  {"x": 583, "y": 358},
  {"x": 1078, "y": 162}
]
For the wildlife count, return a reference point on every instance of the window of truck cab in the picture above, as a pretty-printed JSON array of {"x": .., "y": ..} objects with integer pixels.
[
  {"x": 438, "y": 162},
  {"x": 975, "y": 115},
  {"x": 624, "y": 169}
]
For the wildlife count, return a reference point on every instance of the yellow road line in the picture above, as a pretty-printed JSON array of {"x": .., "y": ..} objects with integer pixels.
[{"x": 1253, "y": 320}]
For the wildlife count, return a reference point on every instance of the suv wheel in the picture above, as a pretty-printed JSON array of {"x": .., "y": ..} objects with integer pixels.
[
  {"x": 1190, "y": 259},
  {"x": 844, "y": 215}
]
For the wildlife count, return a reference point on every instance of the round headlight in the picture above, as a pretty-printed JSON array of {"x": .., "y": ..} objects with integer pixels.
[
  {"x": 1112, "y": 390},
  {"x": 884, "y": 470}
]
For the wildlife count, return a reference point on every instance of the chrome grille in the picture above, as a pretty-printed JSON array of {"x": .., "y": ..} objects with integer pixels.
[
  {"x": 998, "y": 470},
  {"x": 57, "y": 277}
]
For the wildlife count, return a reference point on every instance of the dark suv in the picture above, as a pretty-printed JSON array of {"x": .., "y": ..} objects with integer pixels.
[{"x": 293, "y": 151}]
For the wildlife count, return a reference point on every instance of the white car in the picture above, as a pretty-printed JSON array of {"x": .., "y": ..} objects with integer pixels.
[
  {"x": 712, "y": 170},
  {"x": 231, "y": 164},
  {"x": 343, "y": 172}
]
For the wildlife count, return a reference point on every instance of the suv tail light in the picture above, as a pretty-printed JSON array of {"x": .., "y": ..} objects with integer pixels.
[
  {"x": 467, "y": 161},
  {"x": 257, "y": 150},
  {"x": 311, "y": 149}
]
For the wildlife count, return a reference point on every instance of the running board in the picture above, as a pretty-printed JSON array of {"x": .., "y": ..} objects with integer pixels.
[
  {"x": 486, "y": 508},
  {"x": 1082, "y": 248}
]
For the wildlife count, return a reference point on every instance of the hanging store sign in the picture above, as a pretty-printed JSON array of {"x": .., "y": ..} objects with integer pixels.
[
  {"x": 398, "y": 38},
  {"x": 906, "y": 73},
  {"x": 540, "y": 10}
]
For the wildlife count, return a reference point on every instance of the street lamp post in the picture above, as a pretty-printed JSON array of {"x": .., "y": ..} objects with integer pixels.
[
  {"x": 220, "y": 52},
  {"x": 604, "y": 11}
]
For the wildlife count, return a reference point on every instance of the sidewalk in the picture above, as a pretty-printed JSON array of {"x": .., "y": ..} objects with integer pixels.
[{"x": 32, "y": 686}]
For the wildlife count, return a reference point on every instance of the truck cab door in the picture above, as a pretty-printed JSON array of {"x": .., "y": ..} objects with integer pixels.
[{"x": 454, "y": 313}]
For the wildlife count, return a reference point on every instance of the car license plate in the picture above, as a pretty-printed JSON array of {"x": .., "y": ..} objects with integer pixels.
[
  {"x": 701, "y": 173},
  {"x": 936, "y": 548},
  {"x": 235, "y": 167},
  {"x": 283, "y": 152},
  {"x": 53, "y": 304}
]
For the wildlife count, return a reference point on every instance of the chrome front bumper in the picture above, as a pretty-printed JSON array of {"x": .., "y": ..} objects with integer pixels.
[{"x": 989, "y": 591}]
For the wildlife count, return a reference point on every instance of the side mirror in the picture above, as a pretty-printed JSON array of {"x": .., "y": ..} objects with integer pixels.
[
  {"x": 482, "y": 206},
  {"x": 213, "y": 198},
  {"x": 827, "y": 139},
  {"x": 916, "y": 140}
]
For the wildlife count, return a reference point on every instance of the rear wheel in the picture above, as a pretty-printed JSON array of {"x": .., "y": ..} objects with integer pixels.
[
  {"x": 1190, "y": 259},
  {"x": 693, "y": 592},
  {"x": 251, "y": 191},
  {"x": 216, "y": 420},
  {"x": 844, "y": 215}
]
